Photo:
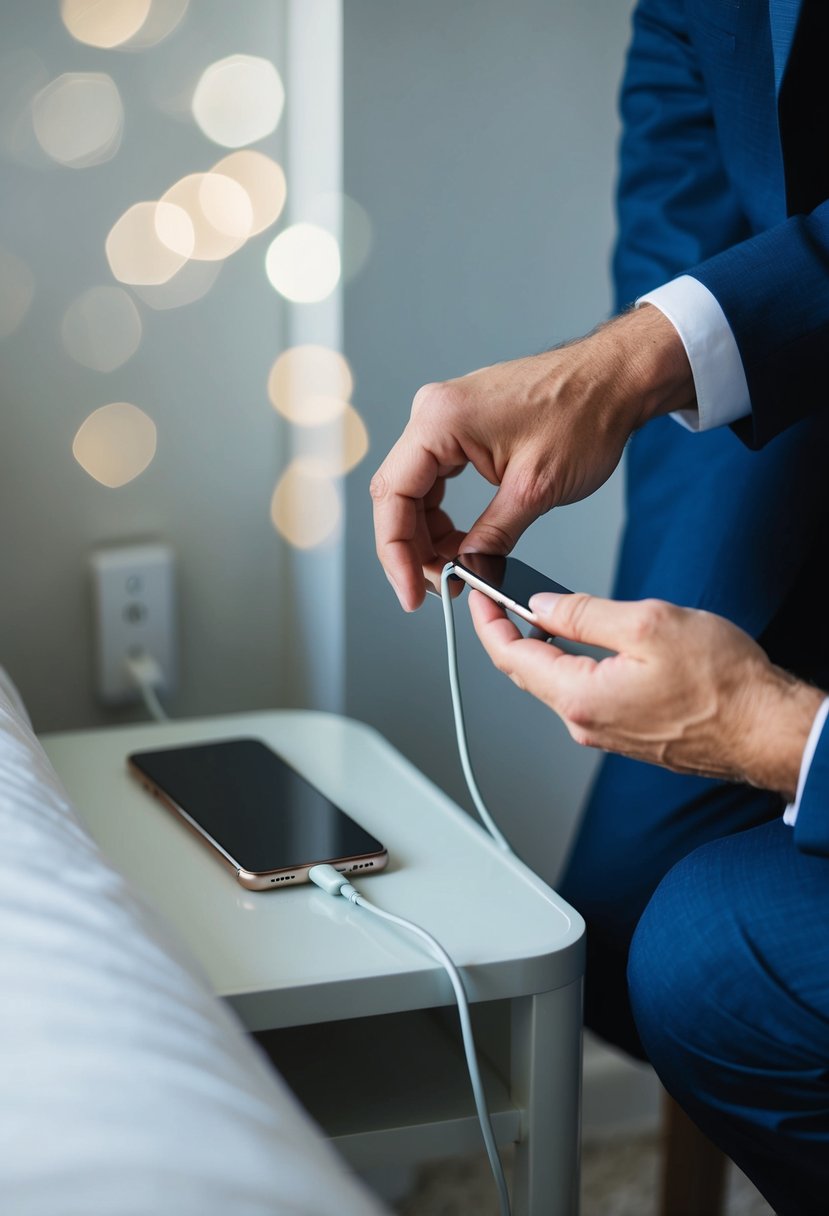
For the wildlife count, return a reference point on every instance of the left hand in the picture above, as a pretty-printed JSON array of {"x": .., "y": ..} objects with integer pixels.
[{"x": 685, "y": 689}]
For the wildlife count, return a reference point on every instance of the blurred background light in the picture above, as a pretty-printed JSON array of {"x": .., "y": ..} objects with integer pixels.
[
  {"x": 22, "y": 76},
  {"x": 115, "y": 443},
  {"x": 162, "y": 19},
  {"x": 303, "y": 263},
  {"x": 306, "y": 507},
  {"x": 101, "y": 329},
  {"x": 134, "y": 248},
  {"x": 339, "y": 447},
  {"x": 238, "y": 100},
  {"x": 333, "y": 210},
  {"x": 104, "y": 23},
  {"x": 78, "y": 119},
  {"x": 310, "y": 384},
  {"x": 187, "y": 285},
  {"x": 17, "y": 289},
  {"x": 220, "y": 214},
  {"x": 262, "y": 179}
]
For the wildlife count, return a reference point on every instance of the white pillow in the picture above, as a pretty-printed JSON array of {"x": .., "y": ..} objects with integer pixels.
[{"x": 126, "y": 1087}]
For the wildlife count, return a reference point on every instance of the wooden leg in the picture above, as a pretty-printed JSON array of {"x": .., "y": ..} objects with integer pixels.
[{"x": 693, "y": 1169}]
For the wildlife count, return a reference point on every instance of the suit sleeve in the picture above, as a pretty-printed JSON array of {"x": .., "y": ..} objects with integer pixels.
[
  {"x": 811, "y": 829},
  {"x": 678, "y": 213},
  {"x": 675, "y": 205},
  {"x": 774, "y": 292}
]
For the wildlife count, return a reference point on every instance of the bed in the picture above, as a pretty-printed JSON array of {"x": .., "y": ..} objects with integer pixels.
[{"x": 126, "y": 1087}]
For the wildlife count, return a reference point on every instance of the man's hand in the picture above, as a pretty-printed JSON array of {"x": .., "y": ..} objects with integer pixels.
[
  {"x": 546, "y": 430},
  {"x": 685, "y": 689}
]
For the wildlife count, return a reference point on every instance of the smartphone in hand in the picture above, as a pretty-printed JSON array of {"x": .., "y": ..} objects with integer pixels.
[{"x": 506, "y": 580}]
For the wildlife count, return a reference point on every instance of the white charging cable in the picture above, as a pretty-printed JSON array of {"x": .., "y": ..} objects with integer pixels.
[
  {"x": 335, "y": 883},
  {"x": 145, "y": 673},
  {"x": 457, "y": 709}
]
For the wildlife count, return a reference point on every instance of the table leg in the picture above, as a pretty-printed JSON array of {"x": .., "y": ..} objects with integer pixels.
[{"x": 546, "y": 1084}]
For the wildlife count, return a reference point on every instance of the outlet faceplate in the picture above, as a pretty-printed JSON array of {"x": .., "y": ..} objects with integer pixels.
[{"x": 134, "y": 598}]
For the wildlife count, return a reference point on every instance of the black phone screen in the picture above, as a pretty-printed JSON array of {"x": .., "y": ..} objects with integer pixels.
[
  {"x": 514, "y": 578},
  {"x": 258, "y": 808}
]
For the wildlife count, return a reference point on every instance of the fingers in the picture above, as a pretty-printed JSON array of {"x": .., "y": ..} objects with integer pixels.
[
  {"x": 612, "y": 624},
  {"x": 432, "y": 572},
  {"x": 492, "y": 625},
  {"x": 562, "y": 681},
  {"x": 512, "y": 510},
  {"x": 400, "y": 490},
  {"x": 438, "y": 542},
  {"x": 523, "y": 659}
]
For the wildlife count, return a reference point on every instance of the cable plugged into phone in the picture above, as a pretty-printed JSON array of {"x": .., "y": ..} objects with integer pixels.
[
  {"x": 489, "y": 823},
  {"x": 334, "y": 883}
]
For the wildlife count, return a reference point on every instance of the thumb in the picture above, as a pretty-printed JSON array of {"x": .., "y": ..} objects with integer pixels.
[
  {"x": 499, "y": 527},
  {"x": 611, "y": 624}
]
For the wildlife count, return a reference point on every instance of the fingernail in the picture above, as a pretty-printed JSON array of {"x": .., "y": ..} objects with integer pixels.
[{"x": 544, "y": 602}]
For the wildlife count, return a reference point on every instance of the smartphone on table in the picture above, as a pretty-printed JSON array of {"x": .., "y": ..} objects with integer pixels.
[
  {"x": 506, "y": 580},
  {"x": 259, "y": 816}
]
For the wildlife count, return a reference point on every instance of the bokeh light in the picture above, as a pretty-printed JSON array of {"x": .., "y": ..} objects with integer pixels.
[
  {"x": 135, "y": 250},
  {"x": 164, "y": 16},
  {"x": 339, "y": 447},
  {"x": 104, "y": 23},
  {"x": 22, "y": 76},
  {"x": 238, "y": 100},
  {"x": 78, "y": 119},
  {"x": 332, "y": 211},
  {"x": 17, "y": 289},
  {"x": 220, "y": 212},
  {"x": 262, "y": 179},
  {"x": 303, "y": 263},
  {"x": 115, "y": 443},
  {"x": 310, "y": 384},
  {"x": 101, "y": 329},
  {"x": 187, "y": 285},
  {"x": 306, "y": 507}
]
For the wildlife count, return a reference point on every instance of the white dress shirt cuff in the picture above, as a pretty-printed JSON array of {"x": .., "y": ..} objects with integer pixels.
[
  {"x": 790, "y": 813},
  {"x": 719, "y": 378}
]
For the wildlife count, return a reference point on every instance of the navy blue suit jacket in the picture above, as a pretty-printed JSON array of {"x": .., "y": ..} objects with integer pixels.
[{"x": 724, "y": 174}]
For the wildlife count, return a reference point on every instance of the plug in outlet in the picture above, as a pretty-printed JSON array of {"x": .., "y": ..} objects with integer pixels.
[{"x": 134, "y": 613}]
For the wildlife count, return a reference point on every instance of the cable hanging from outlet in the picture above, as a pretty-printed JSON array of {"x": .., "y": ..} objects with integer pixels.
[{"x": 145, "y": 672}]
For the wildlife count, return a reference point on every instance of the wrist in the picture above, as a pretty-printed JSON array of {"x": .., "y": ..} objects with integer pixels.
[
  {"x": 782, "y": 720},
  {"x": 652, "y": 366}
]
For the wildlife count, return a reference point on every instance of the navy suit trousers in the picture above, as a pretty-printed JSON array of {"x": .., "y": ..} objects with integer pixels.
[{"x": 730, "y": 989}]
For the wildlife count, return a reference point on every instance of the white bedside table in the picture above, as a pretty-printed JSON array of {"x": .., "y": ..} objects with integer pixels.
[{"x": 355, "y": 1014}]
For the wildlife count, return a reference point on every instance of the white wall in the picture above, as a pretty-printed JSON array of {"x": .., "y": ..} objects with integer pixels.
[
  {"x": 200, "y": 373},
  {"x": 480, "y": 137}
]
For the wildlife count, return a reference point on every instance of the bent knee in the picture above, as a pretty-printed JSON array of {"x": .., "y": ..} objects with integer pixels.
[{"x": 682, "y": 959}]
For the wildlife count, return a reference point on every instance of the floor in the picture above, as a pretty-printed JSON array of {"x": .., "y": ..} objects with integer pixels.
[{"x": 618, "y": 1179}]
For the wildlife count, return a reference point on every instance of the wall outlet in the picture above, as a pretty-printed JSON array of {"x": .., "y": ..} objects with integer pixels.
[{"x": 134, "y": 599}]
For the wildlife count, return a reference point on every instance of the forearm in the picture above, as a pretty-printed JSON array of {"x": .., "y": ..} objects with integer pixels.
[
  {"x": 643, "y": 361},
  {"x": 780, "y": 711}
]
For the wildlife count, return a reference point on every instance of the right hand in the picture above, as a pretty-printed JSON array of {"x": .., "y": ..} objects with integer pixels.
[
  {"x": 684, "y": 688},
  {"x": 546, "y": 430}
]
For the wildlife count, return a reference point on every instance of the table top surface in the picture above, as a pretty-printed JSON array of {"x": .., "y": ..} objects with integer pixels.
[{"x": 296, "y": 955}]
